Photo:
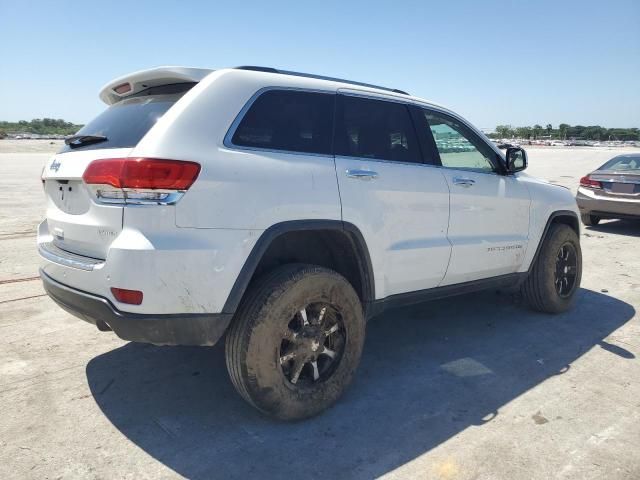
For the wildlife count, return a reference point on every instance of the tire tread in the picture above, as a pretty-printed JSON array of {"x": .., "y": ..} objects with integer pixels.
[{"x": 262, "y": 295}]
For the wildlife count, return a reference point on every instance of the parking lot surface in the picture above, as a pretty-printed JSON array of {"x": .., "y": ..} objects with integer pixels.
[{"x": 471, "y": 387}]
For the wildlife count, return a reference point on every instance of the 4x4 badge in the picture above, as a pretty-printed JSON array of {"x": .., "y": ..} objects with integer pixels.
[{"x": 54, "y": 166}]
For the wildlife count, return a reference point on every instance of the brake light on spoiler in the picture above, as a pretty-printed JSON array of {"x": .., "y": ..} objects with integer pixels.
[
  {"x": 140, "y": 180},
  {"x": 122, "y": 88}
]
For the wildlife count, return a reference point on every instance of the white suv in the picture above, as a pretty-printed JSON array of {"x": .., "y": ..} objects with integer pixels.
[{"x": 285, "y": 209}]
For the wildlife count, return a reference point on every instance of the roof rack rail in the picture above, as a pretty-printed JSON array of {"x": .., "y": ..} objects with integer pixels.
[
  {"x": 319, "y": 77},
  {"x": 253, "y": 68}
]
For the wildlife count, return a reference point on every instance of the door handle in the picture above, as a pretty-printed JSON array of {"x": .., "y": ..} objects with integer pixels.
[
  {"x": 463, "y": 182},
  {"x": 362, "y": 174}
]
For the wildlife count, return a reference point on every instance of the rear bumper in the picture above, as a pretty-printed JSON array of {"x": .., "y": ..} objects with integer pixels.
[
  {"x": 161, "y": 329},
  {"x": 181, "y": 271},
  {"x": 588, "y": 203}
]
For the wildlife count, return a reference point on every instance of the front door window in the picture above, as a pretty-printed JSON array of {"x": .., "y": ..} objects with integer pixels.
[{"x": 457, "y": 148}]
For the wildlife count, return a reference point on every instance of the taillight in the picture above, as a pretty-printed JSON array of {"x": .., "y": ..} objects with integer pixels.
[
  {"x": 140, "y": 180},
  {"x": 149, "y": 173},
  {"x": 589, "y": 183},
  {"x": 132, "y": 297}
]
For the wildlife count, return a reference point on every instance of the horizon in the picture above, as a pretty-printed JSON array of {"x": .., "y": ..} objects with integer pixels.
[
  {"x": 484, "y": 129},
  {"x": 513, "y": 64}
]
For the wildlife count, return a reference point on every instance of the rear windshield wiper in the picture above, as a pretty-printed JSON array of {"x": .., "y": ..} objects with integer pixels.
[{"x": 80, "y": 140}]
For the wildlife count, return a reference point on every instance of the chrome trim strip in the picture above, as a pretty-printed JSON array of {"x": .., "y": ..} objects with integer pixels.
[
  {"x": 381, "y": 160},
  {"x": 173, "y": 196},
  {"x": 418, "y": 164},
  {"x": 56, "y": 255},
  {"x": 271, "y": 150}
]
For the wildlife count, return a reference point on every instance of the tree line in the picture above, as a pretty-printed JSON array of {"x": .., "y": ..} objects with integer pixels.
[
  {"x": 566, "y": 131},
  {"x": 53, "y": 126},
  {"x": 44, "y": 126}
]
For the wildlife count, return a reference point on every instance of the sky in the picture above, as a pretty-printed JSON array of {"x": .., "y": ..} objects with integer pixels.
[{"x": 494, "y": 62}]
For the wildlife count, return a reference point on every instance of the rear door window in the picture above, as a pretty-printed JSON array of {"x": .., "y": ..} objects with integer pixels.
[
  {"x": 288, "y": 120},
  {"x": 126, "y": 122},
  {"x": 375, "y": 129}
]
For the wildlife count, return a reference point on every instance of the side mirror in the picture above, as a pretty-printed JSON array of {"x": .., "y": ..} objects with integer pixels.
[{"x": 516, "y": 159}]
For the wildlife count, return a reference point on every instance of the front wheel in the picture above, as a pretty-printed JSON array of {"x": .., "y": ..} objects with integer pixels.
[
  {"x": 296, "y": 342},
  {"x": 555, "y": 277}
]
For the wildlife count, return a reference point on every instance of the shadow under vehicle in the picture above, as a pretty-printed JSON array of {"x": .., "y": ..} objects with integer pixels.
[{"x": 428, "y": 372}]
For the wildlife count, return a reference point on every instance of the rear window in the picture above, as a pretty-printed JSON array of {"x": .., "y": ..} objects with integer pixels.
[
  {"x": 623, "y": 162},
  {"x": 288, "y": 120},
  {"x": 126, "y": 122}
]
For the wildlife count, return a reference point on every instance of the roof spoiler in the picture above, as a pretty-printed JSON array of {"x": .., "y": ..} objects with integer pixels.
[{"x": 122, "y": 87}]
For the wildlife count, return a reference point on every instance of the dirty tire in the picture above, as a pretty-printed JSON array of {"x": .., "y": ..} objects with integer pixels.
[
  {"x": 589, "y": 220},
  {"x": 254, "y": 341},
  {"x": 539, "y": 289}
]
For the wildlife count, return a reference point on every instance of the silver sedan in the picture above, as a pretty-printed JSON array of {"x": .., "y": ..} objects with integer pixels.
[{"x": 611, "y": 191}]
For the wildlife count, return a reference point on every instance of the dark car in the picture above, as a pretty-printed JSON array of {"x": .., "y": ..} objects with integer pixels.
[{"x": 611, "y": 191}]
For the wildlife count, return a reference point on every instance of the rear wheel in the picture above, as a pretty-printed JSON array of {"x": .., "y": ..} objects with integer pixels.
[
  {"x": 555, "y": 277},
  {"x": 296, "y": 342},
  {"x": 589, "y": 220}
]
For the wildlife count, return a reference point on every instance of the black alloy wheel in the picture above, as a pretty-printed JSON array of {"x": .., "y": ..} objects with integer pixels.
[
  {"x": 312, "y": 345},
  {"x": 566, "y": 270}
]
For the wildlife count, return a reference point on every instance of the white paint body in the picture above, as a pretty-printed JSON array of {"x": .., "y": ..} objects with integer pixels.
[{"x": 421, "y": 230}]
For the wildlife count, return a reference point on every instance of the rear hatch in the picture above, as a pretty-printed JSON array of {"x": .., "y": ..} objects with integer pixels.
[{"x": 77, "y": 222}]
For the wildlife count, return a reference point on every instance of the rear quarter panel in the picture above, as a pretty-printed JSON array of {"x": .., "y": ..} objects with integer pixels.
[{"x": 239, "y": 188}]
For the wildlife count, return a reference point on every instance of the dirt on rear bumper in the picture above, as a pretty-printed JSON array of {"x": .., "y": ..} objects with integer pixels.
[{"x": 161, "y": 329}]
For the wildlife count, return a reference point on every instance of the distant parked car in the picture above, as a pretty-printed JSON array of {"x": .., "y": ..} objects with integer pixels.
[{"x": 611, "y": 191}]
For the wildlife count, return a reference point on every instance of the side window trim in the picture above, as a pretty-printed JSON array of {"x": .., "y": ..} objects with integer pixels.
[
  {"x": 228, "y": 138},
  {"x": 493, "y": 157}
]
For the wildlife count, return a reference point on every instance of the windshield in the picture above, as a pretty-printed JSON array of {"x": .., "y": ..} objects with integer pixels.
[
  {"x": 124, "y": 124},
  {"x": 623, "y": 162}
]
